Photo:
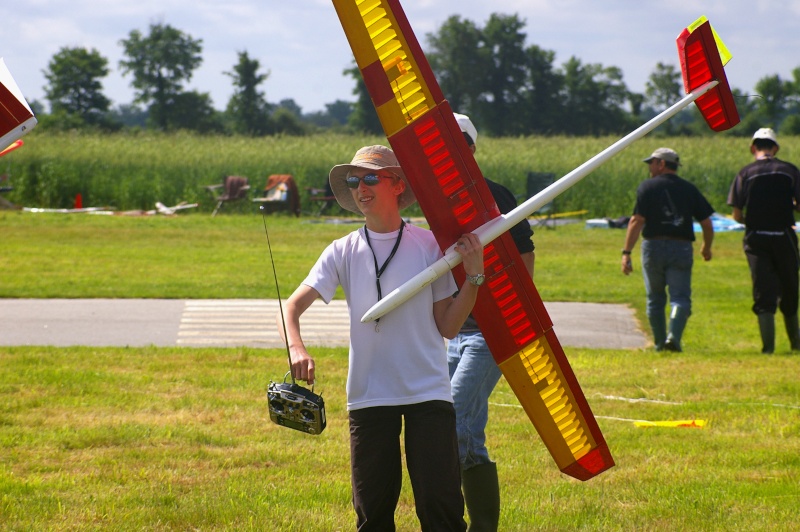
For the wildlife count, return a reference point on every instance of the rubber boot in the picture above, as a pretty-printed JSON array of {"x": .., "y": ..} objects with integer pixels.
[
  {"x": 792, "y": 331},
  {"x": 677, "y": 323},
  {"x": 482, "y": 497},
  {"x": 766, "y": 324},
  {"x": 658, "y": 324}
]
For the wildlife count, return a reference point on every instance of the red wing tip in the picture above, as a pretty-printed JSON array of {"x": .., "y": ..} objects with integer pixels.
[{"x": 590, "y": 465}]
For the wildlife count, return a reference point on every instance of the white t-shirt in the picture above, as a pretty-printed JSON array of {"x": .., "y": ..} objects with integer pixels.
[{"x": 405, "y": 360}]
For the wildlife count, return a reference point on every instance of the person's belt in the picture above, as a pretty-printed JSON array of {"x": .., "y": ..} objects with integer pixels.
[
  {"x": 665, "y": 237},
  {"x": 766, "y": 233}
]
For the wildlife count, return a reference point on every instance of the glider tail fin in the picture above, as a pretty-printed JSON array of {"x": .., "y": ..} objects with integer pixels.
[{"x": 702, "y": 55}]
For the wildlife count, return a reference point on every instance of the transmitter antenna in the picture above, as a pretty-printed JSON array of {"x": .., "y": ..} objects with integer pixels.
[{"x": 277, "y": 289}]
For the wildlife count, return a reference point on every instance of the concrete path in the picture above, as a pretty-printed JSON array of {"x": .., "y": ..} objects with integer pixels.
[{"x": 232, "y": 323}]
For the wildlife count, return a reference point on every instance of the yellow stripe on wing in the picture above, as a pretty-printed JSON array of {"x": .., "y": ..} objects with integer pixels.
[
  {"x": 536, "y": 379},
  {"x": 376, "y": 38}
]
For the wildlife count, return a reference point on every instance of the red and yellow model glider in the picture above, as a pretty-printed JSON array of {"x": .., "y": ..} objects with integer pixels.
[{"x": 455, "y": 199}]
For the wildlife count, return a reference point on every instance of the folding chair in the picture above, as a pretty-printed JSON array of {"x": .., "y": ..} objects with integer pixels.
[
  {"x": 280, "y": 194},
  {"x": 233, "y": 188},
  {"x": 323, "y": 197},
  {"x": 536, "y": 182}
]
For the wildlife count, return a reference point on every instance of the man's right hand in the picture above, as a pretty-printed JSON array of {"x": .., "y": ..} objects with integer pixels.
[
  {"x": 627, "y": 265},
  {"x": 302, "y": 364}
]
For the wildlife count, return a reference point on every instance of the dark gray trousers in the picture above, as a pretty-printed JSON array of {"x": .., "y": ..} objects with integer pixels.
[{"x": 431, "y": 456}]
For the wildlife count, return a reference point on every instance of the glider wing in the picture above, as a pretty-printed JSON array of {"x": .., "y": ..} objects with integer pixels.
[
  {"x": 16, "y": 117},
  {"x": 455, "y": 199}
]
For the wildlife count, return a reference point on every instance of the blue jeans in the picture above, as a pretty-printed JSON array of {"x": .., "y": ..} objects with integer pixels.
[
  {"x": 667, "y": 263},
  {"x": 473, "y": 376}
]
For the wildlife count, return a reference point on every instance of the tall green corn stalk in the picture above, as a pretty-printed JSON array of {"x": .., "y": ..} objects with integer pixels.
[{"x": 134, "y": 170}]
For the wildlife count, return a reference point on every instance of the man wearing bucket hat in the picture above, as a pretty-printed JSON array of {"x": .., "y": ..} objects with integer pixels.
[
  {"x": 665, "y": 206},
  {"x": 473, "y": 376},
  {"x": 398, "y": 366},
  {"x": 764, "y": 196}
]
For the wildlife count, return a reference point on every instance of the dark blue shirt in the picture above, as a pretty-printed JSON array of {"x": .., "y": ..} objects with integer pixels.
[
  {"x": 668, "y": 205},
  {"x": 767, "y": 191}
]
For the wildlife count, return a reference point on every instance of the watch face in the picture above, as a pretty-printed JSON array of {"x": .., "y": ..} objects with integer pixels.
[{"x": 477, "y": 280}]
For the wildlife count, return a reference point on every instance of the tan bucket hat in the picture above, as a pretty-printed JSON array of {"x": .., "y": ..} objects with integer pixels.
[{"x": 369, "y": 158}]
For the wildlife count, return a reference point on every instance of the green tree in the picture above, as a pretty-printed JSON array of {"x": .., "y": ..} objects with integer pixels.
[
  {"x": 129, "y": 115},
  {"x": 594, "y": 97},
  {"x": 457, "y": 55},
  {"x": 339, "y": 111},
  {"x": 286, "y": 122},
  {"x": 193, "y": 110},
  {"x": 74, "y": 84},
  {"x": 791, "y": 124},
  {"x": 772, "y": 105},
  {"x": 291, "y": 107},
  {"x": 747, "y": 107},
  {"x": 541, "y": 109},
  {"x": 335, "y": 115},
  {"x": 247, "y": 108},
  {"x": 488, "y": 73},
  {"x": 511, "y": 89},
  {"x": 160, "y": 63},
  {"x": 505, "y": 42},
  {"x": 664, "y": 87}
]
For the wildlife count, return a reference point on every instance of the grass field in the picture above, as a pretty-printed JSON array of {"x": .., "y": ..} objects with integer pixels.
[{"x": 180, "y": 439}]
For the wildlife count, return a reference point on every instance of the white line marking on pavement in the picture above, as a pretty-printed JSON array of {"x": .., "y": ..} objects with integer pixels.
[{"x": 233, "y": 323}]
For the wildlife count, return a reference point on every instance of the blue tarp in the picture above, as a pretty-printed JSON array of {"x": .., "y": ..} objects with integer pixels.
[{"x": 720, "y": 224}]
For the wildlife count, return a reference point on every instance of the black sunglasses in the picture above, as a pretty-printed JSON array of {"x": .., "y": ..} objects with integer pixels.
[{"x": 370, "y": 180}]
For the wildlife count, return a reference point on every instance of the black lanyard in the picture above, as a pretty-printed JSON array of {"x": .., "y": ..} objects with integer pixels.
[{"x": 380, "y": 270}]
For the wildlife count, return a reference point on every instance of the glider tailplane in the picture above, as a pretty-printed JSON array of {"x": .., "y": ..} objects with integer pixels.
[{"x": 701, "y": 63}]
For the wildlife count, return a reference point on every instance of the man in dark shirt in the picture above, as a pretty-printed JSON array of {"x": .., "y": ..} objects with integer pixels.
[
  {"x": 665, "y": 206},
  {"x": 764, "y": 196},
  {"x": 474, "y": 374}
]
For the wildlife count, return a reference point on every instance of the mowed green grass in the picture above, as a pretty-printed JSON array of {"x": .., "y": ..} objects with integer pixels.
[{"x": 180, "y": 438}]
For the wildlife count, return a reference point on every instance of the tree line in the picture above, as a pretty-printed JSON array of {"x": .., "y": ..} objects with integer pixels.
[{"x": 507, "y": 87}]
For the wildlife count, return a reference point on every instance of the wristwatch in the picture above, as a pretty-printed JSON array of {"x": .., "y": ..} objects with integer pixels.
[{"x": 476, "y": 280}]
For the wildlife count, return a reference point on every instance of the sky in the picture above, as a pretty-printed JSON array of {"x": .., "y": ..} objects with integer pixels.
[{"x": 303, "y": 47}]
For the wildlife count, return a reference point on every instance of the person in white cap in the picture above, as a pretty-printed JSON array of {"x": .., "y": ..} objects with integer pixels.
[
  {"x": 665, "y": 206},
  {"x": 397, "y": 372},
  {"x": 764, "y": 196},
  {"x": 474, "y": 374}
]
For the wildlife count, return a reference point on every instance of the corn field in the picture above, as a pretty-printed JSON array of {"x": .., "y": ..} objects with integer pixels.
[{"x": 133, "y": 171}]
